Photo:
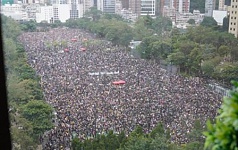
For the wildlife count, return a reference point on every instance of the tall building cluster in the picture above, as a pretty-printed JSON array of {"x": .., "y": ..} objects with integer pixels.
[{"x": 177, "y": 10}]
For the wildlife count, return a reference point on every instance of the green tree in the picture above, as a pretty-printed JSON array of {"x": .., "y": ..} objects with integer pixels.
[
  {"x": 72, "y": 23},
  {"x": 224, "y": 133},
  {"x": 22, "y": 132},
  {"x": 145, "y": 47},
  {"x": 224, "y": 50},
  {"x": 209, "y": 22},
  {"x": 11, "y": 29},
  {"x": 208, "y": 66},
  {"x": 57, "y": 23},
  {"x": 160, "y": 143},
  {"x": 225, "y": 25},
  {"x": 112, "y": 16},
  {"x": 197, "y": 5},
  {"x": 226, "y": 71},
  {"x": 195, "y": 137},
  {"x": 140, "y": 30},
  {"x": 40, "y": 114},
  {"x": 76, "y": 144},
  {"x": 29, "y": 26},
  {"x": 161, "y": 24},
  {"x": 138, "y": 143},
  {"x": 191, "y": 21},
  {"x": 93, "y": 13}
]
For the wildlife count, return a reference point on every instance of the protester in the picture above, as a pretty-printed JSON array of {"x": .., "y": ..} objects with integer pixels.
[{"x": 77, "y": 78}]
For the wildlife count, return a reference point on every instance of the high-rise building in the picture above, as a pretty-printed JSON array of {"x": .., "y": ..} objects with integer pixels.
[
  {"x": 167, "y": 3},
  {"x": 233, "y": 20},
  {"x": 135, "y": 6},
  {"x": 209, "y": 7},
  {"x": 87, "y": 4},
  {"x": 159, "y": 6},
  {"x": 147, "y": 7},
  {"x": 125, "y": 4},
  {"x": 45, "y": 13},
  {"x": 61, "y": 12},
  {"x": 181, "y": 6},
  {"x": 15, "y": 11},
  {"x": 106, "y": 6},
  {"x": 221, "y": 5}
]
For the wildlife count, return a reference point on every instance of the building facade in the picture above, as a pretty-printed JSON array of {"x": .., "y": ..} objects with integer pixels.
[
  {"x": 61, "y": 12},
  {"x": 181, "y": 6},
  {"x": 14, "y": 11},
  {"x": 125, "y": 4},
  {"x": 118, "y": 7},
  {"x": 169, "y": 12},
  {"x": 219, "y": 15},
  {"x": 45, "y": 13},
  {"x": 87, "y": 4},
  {"x": 106, "y": 6},
  {"x": 233, "y": 20},
  {"x": 147, "y": 7},
  {"x": 209, "y": 7},
  {"x": 221, "y": 5},
  {"x": 135, "y": 6},
  {"x": 167, "y": 3}
]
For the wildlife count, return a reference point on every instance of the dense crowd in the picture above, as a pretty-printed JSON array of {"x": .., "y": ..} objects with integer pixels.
[{"x": 77, "y": 74}]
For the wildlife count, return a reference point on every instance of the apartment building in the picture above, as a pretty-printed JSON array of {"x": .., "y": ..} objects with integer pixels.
[
  {"x": 233, "y": 20},
  {"x": 147, "y": 7},
  {"x": 181, "y": 6},
  {"x": 45, "y": 13},
  {"x": 135, "y": 6},
  {"x": 221, "y": 5},
  {"x": 87, "y": 4},
  {"x": 106, "y": 6},
  {"x": 15, "y": 11},
  {"x": 209, "y": 7},
  {"x": 169, "y": 12},
  {"x": 125, "y": 4},
  {"x": 61, "y": 12},
  {"x": 118, "y": 7}
]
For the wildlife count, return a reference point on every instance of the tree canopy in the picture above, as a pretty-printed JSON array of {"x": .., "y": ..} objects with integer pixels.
[
  {"x": 223, "y": 134},
  {"x": 208, "y": 22},
  {"x": 30, "y": 116}
]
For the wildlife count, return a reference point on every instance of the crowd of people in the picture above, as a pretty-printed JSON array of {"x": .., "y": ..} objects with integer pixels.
[{"x": 78, "y": 72}]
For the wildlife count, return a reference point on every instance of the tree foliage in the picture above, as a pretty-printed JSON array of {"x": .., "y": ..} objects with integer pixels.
[
  {"x": 40, "y": 114},
  {"x": 191, "y": 21},
  {"x": 197, "y": 5},
  {"x": 107, "y": 26},
  {"x": 200, "y": 51},
  {"x": 157, "y": 139},
  {"x": 208, "y": 22},
  {"x": 23, "y": 90},
  {"x": 224, "y": 133}
]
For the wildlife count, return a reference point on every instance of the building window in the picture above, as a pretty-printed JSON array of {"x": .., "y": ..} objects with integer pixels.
[
  {"x": 231, "y": 23},
  {"x": 234, "y": 29},
  {"x": 230, "y": 28},
  {"x": 234, "y": 17},
  {"x": 231, "y": 17},
  {"x": 234, "y": 23}
]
